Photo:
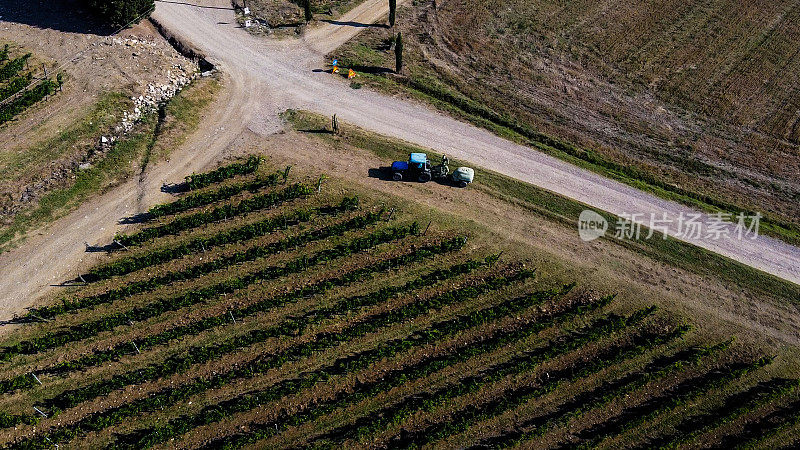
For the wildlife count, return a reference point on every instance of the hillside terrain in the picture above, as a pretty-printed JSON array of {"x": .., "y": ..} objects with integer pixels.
[
  {"x": 101, "y": 122},
  {"x": 245, "y": 274},
  {"x": 268, "y": 305},
  {"x": 700, "y": 100}
]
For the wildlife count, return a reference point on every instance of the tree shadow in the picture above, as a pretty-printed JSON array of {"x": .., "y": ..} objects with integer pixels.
[
  {"x": 173, "y": 188},
  {"x": 375, "y": 70},
  {"x": 227, "y": 8},
  {"x": 108, "y": 248},
  {"x": 136, "y": 218},
  {"x": 61, "y": 15},
  {"x": 355, "y": 24},
  {"x": 316, "y": 131}
]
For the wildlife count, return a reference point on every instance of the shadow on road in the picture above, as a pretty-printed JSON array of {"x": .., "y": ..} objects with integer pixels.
[
  {"x": 196, "y": 6},
  {"x": 355, "y": 24},
  {"x": 60, "y": 15}
]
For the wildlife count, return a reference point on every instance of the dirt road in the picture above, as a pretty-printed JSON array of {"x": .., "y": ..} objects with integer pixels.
[
  {"x": 265, "y": 78},
  {"x": 288, "y": 67}
]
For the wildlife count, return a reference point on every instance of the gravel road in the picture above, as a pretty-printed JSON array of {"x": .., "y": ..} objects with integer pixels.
[{"x": 265, "y": 77}]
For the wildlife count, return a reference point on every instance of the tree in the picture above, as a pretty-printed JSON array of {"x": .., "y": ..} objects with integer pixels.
[
  {"x": 119, "y": 13},
  {"x": 392, "y": 12},
  {"x": 307, "y": 10},
  {"x": 398, "y": 52}
]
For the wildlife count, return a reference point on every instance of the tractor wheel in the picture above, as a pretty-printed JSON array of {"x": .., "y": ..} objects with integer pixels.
[
  {"x": 462, "y": 184},
  {"x": 397, "y": 176},
  {"x": 424, "y": 177}
]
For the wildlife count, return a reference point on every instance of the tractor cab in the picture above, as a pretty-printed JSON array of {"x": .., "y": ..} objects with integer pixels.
[{"x": 417, "y": 168}]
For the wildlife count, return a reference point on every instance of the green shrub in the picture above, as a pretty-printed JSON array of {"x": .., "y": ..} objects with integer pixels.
[{"x": 119, "y": 13}]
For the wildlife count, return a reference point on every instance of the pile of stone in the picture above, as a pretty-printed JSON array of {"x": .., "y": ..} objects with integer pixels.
[{"x": 155, "y": 96}]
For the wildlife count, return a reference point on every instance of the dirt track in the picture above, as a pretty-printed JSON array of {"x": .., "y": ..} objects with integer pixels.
[{"x": 266, "y": 77}]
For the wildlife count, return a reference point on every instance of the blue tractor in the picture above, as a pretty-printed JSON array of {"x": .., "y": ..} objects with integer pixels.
[{"x": 417, "y": 168}]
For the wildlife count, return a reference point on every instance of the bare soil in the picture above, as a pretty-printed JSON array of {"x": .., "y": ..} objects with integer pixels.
[{"x": 95, "y": 64}]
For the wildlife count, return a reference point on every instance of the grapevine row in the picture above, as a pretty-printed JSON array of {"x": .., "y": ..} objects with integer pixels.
[
  {"x": 681, "y": 394},
  {"x": 437, "y": 332},
  {"x": 134, "y": 263},
  {"x": 180, "y": 363},
  {"x": 98, "y": 357},
  {"x": 734, "y": 406},
  {"x": 382, "y": 419},
  {"x": 205, "y": 198},
  {"x": 250, "y": 254},
  {"x": 758, "y": 431},
  {"x": 177, "y": 364},
  {"x": 603, "y": 394},
  {"x": 201, "y": 180},
  {"x": 462, "y": 419},
  {"x": 288, "y": 327},
  {"x": 13, "y": 67},
  {"x": 26, "y": 99},
  {"x": 368, "y": 390},
  {"x": 255, "y": 203},
  {"x": 154, "y": 309},
  {"x": 15, "y": 85}
]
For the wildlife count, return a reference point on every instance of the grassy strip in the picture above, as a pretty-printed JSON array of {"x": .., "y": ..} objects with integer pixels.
[
  {"x": 254, "y": 368},
  {"x": 436, "y": 332},
  {"x": 564, "y": 211},
  {"x": 383, "y": 418},
  {"x": 255, "y": 203},
  {"x": 733, "y": 407},
  {"x": 201, "y": 180},
  {"x": 198, "y": 199},
  {"x": 463, "y": 419},
  {"x": 683, "y": 393},
  {"x": 603, "y": 394},
  {"x": 130, "y": 264},
  {"x": 177, "y": 364},
  {"x": 154, "y": 309}
]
